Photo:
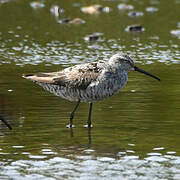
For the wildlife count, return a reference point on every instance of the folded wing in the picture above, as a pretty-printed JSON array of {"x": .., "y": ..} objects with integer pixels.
[{"x": 79, "y": 76}]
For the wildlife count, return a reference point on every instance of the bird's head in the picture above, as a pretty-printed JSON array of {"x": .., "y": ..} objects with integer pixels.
[{"x": 124, "y": 63}]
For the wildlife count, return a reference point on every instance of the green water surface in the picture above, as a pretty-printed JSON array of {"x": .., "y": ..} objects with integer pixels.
[{"x": 136, "y": 133}]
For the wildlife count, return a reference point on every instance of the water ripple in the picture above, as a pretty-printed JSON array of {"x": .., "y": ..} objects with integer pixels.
[
  {"x": 154, "y": 166},
  {"x": 56, "y": 52}
]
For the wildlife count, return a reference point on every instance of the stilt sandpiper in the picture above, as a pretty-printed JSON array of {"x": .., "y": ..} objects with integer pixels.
[{"x": 88, "y": 82}]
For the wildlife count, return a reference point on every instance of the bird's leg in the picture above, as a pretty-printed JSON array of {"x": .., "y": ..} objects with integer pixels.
[
  {"x": 70, "y": 125},
  {"x": 89, "y": 125},
  {"x": 89, "y": 116}
]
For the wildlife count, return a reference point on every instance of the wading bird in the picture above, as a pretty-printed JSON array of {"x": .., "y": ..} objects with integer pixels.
[{"x": 88, "y": 82}]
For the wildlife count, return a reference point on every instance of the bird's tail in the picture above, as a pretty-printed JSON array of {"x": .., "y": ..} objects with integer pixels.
[
  {"x": 27, "y": 75},
  {"x": 40, "y": 77}
]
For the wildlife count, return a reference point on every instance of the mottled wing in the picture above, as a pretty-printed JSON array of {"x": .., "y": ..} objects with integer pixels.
[{"x": 79, "y": 76}]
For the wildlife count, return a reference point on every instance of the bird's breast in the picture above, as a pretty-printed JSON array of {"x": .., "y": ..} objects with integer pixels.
[{"x": 106, "y": 86}]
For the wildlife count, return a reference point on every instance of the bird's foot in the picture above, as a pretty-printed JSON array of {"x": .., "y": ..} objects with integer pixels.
[
  {"x": 70, "y": 126},
  {"x": 88, "y": 126}
]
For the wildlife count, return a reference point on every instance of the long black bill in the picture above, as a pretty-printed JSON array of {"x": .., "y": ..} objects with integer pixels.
[
  {"x": 144, "y": 72},
  {"x": 5, "y": 122}
]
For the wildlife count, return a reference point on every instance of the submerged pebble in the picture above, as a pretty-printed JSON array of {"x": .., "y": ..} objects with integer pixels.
[
  {"x": 37, "y": 5},
  {"x": 135, "y": 28},
  {"x": 123, "y": 6},
  {"x": 72, "y": 21},
  {"x": 135, "y": 14},
  {"x": 95, "y": 9},
  {"x": 93, "y": 37}
]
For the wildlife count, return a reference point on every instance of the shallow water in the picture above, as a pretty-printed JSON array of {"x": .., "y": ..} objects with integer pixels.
[{"x": 136, "y": 132}]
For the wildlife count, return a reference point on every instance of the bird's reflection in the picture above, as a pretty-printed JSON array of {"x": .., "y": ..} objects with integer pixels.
[
  {"x": 89, "y": 136},
  {"x": 71, "y": 132}
]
